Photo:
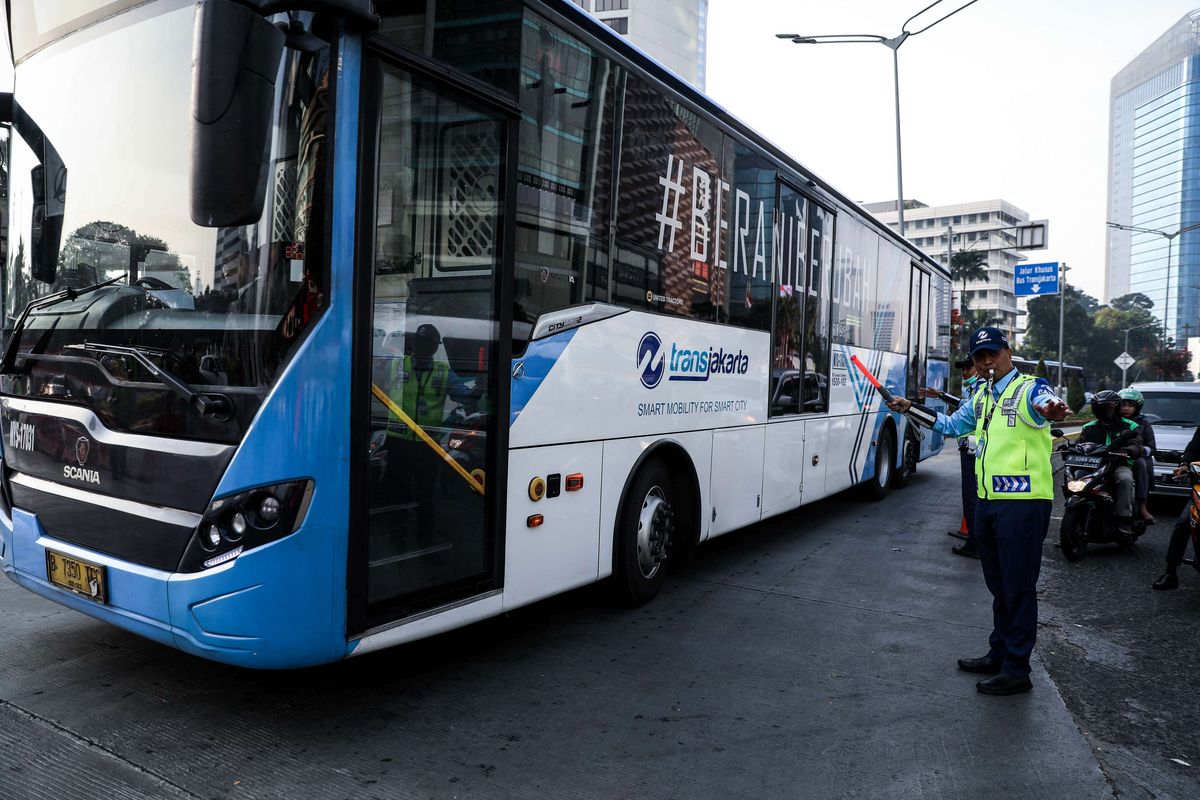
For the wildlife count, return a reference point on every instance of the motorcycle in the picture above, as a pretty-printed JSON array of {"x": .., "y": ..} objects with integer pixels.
[{"x": 1089, "y": 517}]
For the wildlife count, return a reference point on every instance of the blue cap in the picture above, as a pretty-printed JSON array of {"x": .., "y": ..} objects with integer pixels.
[{"x": 988, "y": 339}]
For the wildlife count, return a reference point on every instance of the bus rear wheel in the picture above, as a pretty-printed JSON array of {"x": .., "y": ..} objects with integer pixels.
[
  {"x": 908, "y": 463},
  {"x": 877, "y": 487},
  {"x": 646, "y": 529}
]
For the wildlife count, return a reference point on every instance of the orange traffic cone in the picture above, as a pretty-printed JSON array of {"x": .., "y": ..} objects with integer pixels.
[{"x": 961, "y": 533}]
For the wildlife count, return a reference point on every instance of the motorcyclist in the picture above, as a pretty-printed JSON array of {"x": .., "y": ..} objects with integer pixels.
[
  {"x": 1182, "y": 531},
  {"x": 1108, "y": 425},
  {"x": 1143, "y": 468}
]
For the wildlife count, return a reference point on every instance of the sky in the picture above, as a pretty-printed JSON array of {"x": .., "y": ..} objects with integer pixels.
[{"x": 1007, "y": 99}]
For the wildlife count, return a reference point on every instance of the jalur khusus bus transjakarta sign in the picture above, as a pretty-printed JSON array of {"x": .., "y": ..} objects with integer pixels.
[{"x": 1032, "y": 280}]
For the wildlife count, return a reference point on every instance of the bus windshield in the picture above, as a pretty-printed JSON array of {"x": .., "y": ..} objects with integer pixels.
[{"x": 218, "y": 307}]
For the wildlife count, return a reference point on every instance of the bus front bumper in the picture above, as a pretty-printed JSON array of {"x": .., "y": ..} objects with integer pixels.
[{"x": 233, "y": 613}]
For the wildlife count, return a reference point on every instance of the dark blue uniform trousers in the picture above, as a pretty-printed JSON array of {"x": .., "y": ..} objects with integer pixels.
[
  {"x": 1009, "y": 535},
  {"x": 970, "y": 492}
]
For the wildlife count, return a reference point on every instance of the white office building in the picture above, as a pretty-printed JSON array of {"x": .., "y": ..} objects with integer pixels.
[
  {"x": 976, "y": 226},
  {"x": 674, "y": 32}
]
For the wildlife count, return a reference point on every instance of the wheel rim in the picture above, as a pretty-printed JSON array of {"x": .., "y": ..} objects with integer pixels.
[
  {"x": 884, "y": 473},
  {"x": 655, "y": 523}
]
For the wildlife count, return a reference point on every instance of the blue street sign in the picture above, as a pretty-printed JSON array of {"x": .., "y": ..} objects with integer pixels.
[{"x": 1035, "y": 279}]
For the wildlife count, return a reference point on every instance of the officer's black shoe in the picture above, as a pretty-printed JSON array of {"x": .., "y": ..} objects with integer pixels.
[
  {"x": 984, "y": 666},
  {"x": 969, "y": 550},
  {"x": 1168, "y": 580},
  {"x": 1003, "y": 684}
]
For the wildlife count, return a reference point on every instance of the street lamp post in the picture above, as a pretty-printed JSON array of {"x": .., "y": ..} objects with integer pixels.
[
  {"x": 892, "y": 43},
  {"x": 1170, "y": 237},
  {"x": 1126, "y": 349}
]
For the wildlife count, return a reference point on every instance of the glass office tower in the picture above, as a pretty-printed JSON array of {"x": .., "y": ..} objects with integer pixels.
[{"x": 1154, "y": 177}]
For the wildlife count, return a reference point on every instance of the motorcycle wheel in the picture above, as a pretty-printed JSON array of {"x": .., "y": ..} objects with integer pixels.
[{"x": 1072, "y": 536}]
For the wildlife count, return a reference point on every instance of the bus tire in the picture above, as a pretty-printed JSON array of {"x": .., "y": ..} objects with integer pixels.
[
  {"x": 908, "y": 463},
  {"x": 646, "y": 527},
  {"x": 877, "y": 487}
]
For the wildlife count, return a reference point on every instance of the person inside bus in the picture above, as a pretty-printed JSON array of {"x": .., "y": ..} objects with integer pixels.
[
  {"x": 1182, "y": 531},
  {"x": 1011, "y": 417},
  {"x": 1143, "y": 468},
  {"x": 1108, "y": 425},
  {"x": 419, "y": 385}
]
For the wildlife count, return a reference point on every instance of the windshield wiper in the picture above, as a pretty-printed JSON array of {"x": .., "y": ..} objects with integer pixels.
[
  {"x": 1188, "y": 422},
  {"x": 207, "y": 404},
  {"x": 7, "y": 366}
]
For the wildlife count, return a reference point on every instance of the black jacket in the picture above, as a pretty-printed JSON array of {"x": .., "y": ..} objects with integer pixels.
[
  {"x": 1099, "y": 433},
  {"x": 1192, "y": 451},
  {"x": 1147, "y": 432}
]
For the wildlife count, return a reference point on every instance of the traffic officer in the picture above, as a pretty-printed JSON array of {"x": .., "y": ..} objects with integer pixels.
[{"x": 1010, "y": 414}]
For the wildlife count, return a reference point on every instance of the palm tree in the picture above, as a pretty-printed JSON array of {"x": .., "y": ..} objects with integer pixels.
[{"x": 966, "y": 266}]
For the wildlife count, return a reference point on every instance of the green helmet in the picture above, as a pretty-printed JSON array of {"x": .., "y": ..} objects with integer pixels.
[{"x": 1133, "y": 396}]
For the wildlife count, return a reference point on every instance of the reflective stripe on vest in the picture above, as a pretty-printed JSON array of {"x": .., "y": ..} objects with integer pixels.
[{"x": 1013, "y": 452}]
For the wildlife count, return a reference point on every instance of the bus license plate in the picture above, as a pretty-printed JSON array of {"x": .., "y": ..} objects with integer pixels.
[{"x": 78, "y": 576}]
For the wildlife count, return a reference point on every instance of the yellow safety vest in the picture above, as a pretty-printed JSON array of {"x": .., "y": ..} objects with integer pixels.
[{"x": 1012, "y": 457}]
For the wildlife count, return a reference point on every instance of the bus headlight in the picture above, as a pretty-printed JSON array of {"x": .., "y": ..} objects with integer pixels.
[
  {"x": 210, "y": 536},
  {"x": 237, "y": 523},
  {"x": 268, "y": 509}
]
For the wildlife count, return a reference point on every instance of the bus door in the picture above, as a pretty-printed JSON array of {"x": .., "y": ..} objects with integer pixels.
[
  {"x": 918, "y": 333},
  {"x": 432, "y": 335}
]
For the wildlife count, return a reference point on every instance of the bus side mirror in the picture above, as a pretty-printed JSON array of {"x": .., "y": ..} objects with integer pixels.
[
  {"x": 49, "y": 191},
  {"x": 235, "y": 58},
  {"x": 46, "y": 222}
]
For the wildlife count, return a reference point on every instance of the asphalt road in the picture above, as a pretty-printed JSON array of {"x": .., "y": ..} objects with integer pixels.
[
  {"x": 809, "y": 656},
  {"x": 1125, "y": 659}
]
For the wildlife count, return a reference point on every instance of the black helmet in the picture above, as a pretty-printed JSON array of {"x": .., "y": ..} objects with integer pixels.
[
  {"x": 426, "y": 341},
  {"x": 1106, "y": 405}
]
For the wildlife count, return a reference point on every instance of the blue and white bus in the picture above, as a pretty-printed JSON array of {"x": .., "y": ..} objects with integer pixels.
[{"x": 332, "y": 330}]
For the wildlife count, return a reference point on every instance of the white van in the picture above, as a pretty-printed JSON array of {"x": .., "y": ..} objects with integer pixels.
[{"x": 1173, "y": 409}]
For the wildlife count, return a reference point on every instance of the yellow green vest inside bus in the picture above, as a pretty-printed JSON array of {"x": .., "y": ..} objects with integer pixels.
[
  {"x": 1012, "y": 460},
  {"x": 420, "y": 393}
]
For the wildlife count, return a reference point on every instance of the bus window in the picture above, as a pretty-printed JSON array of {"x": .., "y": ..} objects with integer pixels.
[
  {"x": 891, "y": 299},
  {"x": 858, "y": 251},
  {"x": 748, "y": 300},
  {"x": 563, "y": 178},
  {"x": 939, "y": 318},
  {"x": 673, "y": 196},
  {"x": 917, "y": 329},
  {"x": 815, "y": 391},
  {"x": 790, "y": 263}
]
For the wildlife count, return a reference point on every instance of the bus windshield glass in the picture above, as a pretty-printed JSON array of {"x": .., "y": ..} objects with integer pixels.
[{"x": 221, "y": 308}]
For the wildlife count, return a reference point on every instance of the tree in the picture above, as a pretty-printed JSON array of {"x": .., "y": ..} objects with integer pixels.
[
  {"x": 966, "y": 266},
  {"x": 1041, "y": 326},
  {"x": 1075, "y": 396},
  {"x": 1040, "y": 370},
  {"x": 1131, "y": 301}
]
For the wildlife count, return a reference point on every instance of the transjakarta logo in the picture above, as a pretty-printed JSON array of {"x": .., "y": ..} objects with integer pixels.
[{"x": 683, "y": 363}]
